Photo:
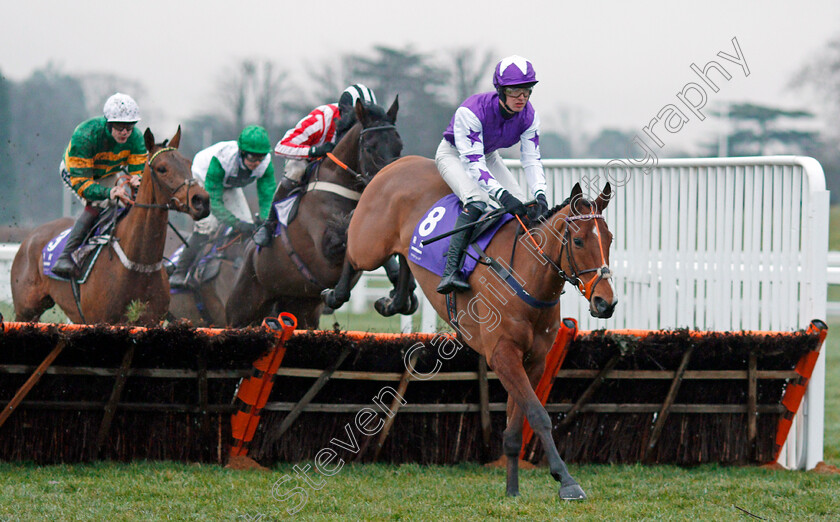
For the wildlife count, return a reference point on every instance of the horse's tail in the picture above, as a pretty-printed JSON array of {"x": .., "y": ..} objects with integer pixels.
[{"x": 334, "y": 243}]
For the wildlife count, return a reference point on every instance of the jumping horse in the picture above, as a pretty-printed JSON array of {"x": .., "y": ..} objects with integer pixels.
[
  {"x": 130, "y": 268},
  {"x": 290, "y": 274},
  {"x": 570, "y": 244}
]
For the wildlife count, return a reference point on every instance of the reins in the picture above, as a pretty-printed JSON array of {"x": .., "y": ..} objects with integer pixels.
[{"x": 363, "y": 179}]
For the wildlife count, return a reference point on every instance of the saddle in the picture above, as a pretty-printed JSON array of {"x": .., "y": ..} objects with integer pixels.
[
  {"x": 85, "y": 256},
  {"x": 440, "y": 218},
  {"x": 206, "y": 266}
]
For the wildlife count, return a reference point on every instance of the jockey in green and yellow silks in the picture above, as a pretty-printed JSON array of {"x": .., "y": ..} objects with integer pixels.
[{"x": 100, "y": 150}]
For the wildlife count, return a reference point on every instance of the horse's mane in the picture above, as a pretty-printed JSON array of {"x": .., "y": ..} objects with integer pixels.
[{"x": 565, "y": 202}]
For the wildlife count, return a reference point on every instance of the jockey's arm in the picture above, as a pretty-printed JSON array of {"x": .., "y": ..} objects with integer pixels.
[
  {"x": 266, "y": 185},
  {"x": 311, "y": 130},
  {"x": 214, "y": 185},
  {"x": 529, "y": 148}
]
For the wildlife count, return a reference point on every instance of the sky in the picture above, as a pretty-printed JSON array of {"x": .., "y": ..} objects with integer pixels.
[{"x": 600, "y": 64}]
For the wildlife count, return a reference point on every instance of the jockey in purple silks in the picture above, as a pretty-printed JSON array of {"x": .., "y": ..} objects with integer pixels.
[{"x": 469, "y": 161}]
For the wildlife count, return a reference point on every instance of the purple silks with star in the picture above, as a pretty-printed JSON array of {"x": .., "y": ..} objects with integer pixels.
[{"x": 438, "y": 219}]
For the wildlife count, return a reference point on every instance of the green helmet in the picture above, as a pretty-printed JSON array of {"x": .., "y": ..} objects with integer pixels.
[{"x": 254, "y": 139}]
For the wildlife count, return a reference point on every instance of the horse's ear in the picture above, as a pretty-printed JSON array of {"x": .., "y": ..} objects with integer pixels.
[
  {"x": 149, "y": 139},
  {"x": 392, "y": 112},
  {"x": 361, "y": 113},
  {"x": 604, "y": 198},
  {"x": 575, "y": 197},
  {"x": 176, "y": 139}
]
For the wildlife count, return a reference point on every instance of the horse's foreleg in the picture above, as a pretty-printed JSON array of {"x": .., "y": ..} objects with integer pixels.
[
  {"x": 507, "y": 363},
  {"x": 336, "y": 297},
  {"x": 402, "y": 299},
  {"x": 511, "y": 444}
]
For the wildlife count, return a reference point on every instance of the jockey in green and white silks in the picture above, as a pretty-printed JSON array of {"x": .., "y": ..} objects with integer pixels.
[
  {"x": 223, "y": 169},
  {"x": 469, "y": 161},
  {"x": 100, "y": 150}
]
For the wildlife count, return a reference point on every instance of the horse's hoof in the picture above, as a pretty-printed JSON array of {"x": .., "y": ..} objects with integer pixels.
[
  {"x": 571, "y": 492},
  {"x": 385, "y": 306},
  {"x": 411, "y": 305},
  {"x": 328, "y": 297}
]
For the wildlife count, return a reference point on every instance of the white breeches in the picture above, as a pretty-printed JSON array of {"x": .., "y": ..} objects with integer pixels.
[
  {"x": 235, "y": 201},
  {"x": 464, "y": 186}
]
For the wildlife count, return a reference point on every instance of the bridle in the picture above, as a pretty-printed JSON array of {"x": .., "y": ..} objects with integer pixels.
[
  {"x": 173, "y": 203},
  {"x": 602, "y": 272},
  {"x": 363, "y": 178}
]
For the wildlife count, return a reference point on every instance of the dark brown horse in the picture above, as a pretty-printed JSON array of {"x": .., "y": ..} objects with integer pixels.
[
  {"x": 289, "y": 275},
  {"x": 494, "y": 317},
  {"x": 130, "y": 268},
  {"x": 205, "y": 305}
]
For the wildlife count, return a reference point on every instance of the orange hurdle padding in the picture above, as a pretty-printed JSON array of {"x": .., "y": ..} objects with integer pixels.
[
  {"x": 553, "y": 362},
  {"x": 795, "y": 391},
  {"x": 253, "y": 392}
]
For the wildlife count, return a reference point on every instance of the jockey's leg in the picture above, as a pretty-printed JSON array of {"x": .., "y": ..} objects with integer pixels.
[
  {"x": 292, "y": 175},
  {"x": 453, "y": 279},
  {"x": 265, "y": 232},
  {"x": 202, "y": 230},
  {"x": 195, "y": 242},
  {"x": 64, "y": 265}
]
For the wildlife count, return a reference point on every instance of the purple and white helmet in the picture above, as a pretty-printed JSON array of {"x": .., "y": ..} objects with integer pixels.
[{"x": 514, "y": 70}]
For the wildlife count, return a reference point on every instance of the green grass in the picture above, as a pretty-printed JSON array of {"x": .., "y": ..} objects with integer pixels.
[{"x": 164, "y": 491}]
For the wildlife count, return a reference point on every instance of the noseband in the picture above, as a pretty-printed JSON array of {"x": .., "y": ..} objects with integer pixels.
[{"x": 173, "y": 203}]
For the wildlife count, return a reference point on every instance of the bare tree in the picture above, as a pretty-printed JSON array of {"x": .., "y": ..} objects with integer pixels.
[
  {"x": 469, "y": 70},
  {"x": 97, "y": 87}
]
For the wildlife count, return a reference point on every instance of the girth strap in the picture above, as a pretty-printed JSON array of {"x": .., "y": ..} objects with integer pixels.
[
  {"x": 301, "y": 266},
  {"x": 506, "y": 276},
  {"x": 326, "y": 186}
]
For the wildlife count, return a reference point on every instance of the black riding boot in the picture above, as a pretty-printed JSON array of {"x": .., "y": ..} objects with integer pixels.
[
  {"x": 178, "y": 279},
  {"x": 64, "y": 265},
  {"x": 265, "y": 232},
  {"x": 285, "y": 187},
  {"x": 453, "y": 279}
]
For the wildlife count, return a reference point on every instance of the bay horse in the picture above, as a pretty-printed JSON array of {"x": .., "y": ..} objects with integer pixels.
[
  {"x": 130, "y": 268},
  {"x": 205, "y": 306},
  {"x": 514, "y": 335},
  {"x": 290, "y": 274}
]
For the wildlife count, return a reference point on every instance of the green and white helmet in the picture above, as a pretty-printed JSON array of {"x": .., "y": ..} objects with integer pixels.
[
  {"x": 254, "y": 139},
  {"x": 354, "y": 92},
  {"x": 121, "y": 108}
]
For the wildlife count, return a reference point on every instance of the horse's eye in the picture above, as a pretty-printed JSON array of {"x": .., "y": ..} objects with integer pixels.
[{"x": 579, "y": 242}]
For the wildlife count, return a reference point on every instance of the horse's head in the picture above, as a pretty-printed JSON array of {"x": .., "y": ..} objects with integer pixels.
[
  {"x": 584, "y": 253},
  {"x": 168, "y": 174},
  {"x": 379, "y": 141}
]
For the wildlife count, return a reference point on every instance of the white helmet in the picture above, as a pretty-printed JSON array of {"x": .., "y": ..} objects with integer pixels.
[
  {"x": 121, "y": 108},
  {"x": 354, "y": 92}
]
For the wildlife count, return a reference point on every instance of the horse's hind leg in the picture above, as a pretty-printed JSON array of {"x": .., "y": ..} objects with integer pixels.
[
  {"x": 402, "y": 299},
  {"x": 507, "y": 363},
  {"x": 336, "y": 297}
]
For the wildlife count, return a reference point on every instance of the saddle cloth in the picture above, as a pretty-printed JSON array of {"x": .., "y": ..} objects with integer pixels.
[
  {"x": 441, "y": 218},
  {"x": 84, "y": 256}
]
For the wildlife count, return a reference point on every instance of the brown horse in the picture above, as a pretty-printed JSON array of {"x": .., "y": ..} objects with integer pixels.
[
  {"x": 130, "y": 268},
  {"x": 512, "y": 327},
  {"x": 205, "y": 305},
  {"x": 290, "y": 274}
]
